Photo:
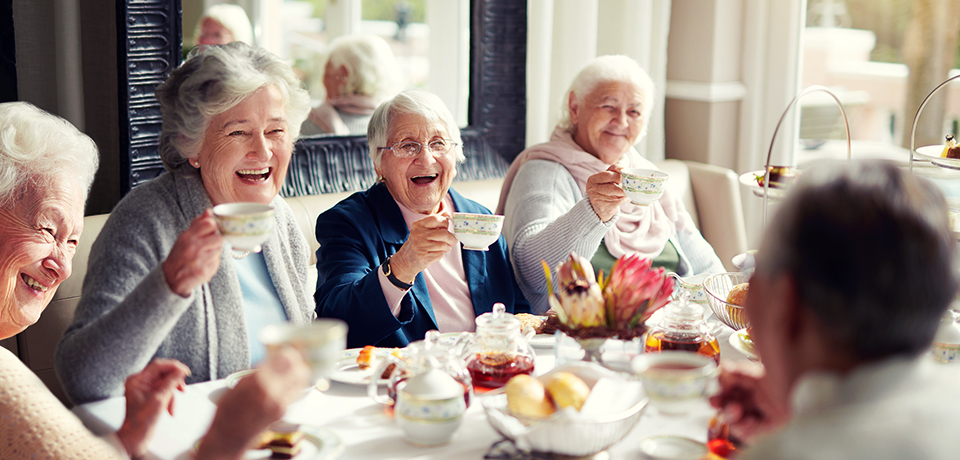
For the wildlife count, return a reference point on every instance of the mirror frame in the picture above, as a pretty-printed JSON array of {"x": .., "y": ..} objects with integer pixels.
[{"x": 149, "y": 48}]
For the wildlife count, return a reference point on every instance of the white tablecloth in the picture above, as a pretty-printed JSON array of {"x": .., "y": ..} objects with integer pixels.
[{"x": 366, "y": 430}]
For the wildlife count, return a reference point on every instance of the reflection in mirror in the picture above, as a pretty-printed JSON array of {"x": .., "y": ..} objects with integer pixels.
[{"x": 430, "y": 40}]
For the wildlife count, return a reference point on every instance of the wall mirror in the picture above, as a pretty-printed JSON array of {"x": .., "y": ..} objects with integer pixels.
[
  {"x": 150, "y": 47},
  {"x": 427, "y": 42}
]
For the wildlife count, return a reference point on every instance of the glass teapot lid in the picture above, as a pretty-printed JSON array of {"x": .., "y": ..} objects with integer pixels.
[{"x": 498, "y": 319}]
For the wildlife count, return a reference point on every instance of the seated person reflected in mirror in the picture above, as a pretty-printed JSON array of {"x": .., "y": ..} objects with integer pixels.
[
  {"x": 360, "y": 73},
  {"x": 388, "y": 263},
  {"x": 852, "y": 278},
  {"x": 161, "y": 282},
  {"x": 221, "y": 24},
  {"x": 565, "y": 195}
]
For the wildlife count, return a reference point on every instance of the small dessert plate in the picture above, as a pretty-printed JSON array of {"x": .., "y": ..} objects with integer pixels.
[
  {"x": 346, "y": 369},
  {"x": 673, "y": 448},
  {"x": 739, "y": 341},
  {"x": 750, "y": 180}
]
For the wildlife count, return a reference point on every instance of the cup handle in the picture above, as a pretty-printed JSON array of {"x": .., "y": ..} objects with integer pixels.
[{"x": 373, "y": 386}]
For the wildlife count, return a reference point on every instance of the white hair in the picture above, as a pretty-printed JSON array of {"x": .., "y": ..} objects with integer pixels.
[
  {"x": 410, "y": 102},
  {"x": 215, "y": 80},
  {"x": 606, "y": 69},
  {"x": 40, "y": 148},
  {"x": 370, "y": 63},
  {"x": 231, "y": 17}
]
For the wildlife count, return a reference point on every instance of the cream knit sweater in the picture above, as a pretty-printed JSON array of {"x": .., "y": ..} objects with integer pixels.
[{"x": 35, "y": 425}]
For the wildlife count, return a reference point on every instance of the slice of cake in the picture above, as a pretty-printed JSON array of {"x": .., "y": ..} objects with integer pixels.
[
  {"x": 282, "y": 438},
  {"x": 950, "y": 148}
]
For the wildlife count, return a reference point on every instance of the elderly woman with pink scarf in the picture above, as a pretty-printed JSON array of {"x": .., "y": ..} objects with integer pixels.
[
  {"x": 361, "y": 72},
  {"x": 564, "y": 195}
]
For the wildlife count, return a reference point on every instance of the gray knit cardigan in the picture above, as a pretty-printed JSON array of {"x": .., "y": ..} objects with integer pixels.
[{"x": 128, "y": 315}]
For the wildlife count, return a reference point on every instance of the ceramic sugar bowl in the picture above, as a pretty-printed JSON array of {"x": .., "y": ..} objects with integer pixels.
[{"x": 429, "y": 407}]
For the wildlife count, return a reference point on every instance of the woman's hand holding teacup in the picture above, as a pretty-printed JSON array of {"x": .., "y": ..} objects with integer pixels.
[
  {"x": 430, "y": 239},
  {"x": 195, "y": 256},
  {"x": 605, "y": 194}
]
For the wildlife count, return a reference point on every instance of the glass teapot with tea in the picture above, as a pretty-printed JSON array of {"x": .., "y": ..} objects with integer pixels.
[
  {"x": 498, "y": 350},
  {"x": 683, "y": 327},
  {"x": 420, "y": 357}
]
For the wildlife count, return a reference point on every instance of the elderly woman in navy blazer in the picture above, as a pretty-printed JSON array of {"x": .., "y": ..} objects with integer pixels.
[{"x": 388, "y": 263}]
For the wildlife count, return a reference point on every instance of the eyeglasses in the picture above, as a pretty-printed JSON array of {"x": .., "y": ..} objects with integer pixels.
[{"x": 410, "y": 149}]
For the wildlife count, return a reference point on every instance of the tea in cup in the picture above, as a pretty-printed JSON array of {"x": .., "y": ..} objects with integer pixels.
[
  {"x": 321, "y": 342},
  {"x": 244, "y": 225},
  {"x": 676, "y": 381},
  {"x": 643, "y": 186},
  {"x": 692, "y": 285},
  {"x": 477, "y": 231}
]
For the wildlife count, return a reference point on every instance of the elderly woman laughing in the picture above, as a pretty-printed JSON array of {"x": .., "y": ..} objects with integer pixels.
[
  {"x": 161, "y": 283},
  {"x": 46, "y": 168},
  {"x": 564, "y": 195},
  {"x": 388, "y": 264}
]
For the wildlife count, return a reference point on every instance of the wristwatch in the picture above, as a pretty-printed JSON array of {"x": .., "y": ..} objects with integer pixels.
[{"x": 393, "y": 278}]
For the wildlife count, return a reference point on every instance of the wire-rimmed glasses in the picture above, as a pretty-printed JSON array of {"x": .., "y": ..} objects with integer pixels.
[{"x": 410, "y": 149}]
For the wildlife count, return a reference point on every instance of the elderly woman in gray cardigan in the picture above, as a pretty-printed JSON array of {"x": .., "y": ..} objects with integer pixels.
[{"x": 160, "y": 281}]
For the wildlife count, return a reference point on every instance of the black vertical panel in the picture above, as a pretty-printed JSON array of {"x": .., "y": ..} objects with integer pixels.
[
  {"x": 149, "y": 48},
  {"x": 8, "y": 53}
]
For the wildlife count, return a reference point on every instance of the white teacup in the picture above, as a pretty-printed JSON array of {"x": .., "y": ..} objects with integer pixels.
[
  {"x": 244, "y": 225},
  {"x": 643, "y": 186},
  {"x": 321, "y": 342},
  {"x": 477, "y": 231},
  {"x": 676, "y": 381}
]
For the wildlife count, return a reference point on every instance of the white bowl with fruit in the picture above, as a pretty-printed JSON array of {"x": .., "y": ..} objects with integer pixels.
[{"x": 578, "y": 409}]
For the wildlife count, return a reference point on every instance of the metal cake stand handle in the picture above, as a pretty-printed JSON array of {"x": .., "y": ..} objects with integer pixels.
[
  {"x": 916, "y": 118},
  {"x": 846, "y": 126}
]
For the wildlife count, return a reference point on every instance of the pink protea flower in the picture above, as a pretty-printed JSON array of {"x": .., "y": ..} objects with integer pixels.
[{"x": 634, "y": 291}]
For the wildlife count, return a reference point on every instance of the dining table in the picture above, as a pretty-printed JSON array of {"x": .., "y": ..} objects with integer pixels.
[{"x": 356, "y": 427}]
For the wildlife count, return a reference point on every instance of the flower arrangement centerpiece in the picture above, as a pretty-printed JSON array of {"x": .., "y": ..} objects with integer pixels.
[{"x": 592, "y": 310}]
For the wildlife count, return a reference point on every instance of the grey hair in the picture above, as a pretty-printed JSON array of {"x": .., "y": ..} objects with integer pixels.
[
  {"x": 370, "y": 62},
  {"x": 870, "y": 250},
  {"x": 606, "y": 69},
  {"x": 40, "y": 148},
  {"x": 213, "y": 80},
  {"x": 410, "y": 102},
  {"x": 232, "y": 17}
]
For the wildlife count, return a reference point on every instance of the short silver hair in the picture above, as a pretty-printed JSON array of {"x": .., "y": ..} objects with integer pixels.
[
  {"x": 870, "y": 250},
  {"x": 370, "y": 62},
  {"x": 214, "y": 80},
  {"x": 410, "y": 102},
  {"x": 607, "y": 69},
  {"x": 232, "y": 17},
  {"x": 39, "y": 148}
]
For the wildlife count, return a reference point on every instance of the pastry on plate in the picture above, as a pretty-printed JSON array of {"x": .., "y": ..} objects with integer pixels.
[{"x": 282, "y": 438}]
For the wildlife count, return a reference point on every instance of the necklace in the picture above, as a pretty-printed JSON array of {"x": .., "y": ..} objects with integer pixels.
[{"x": 239, "y": 255}]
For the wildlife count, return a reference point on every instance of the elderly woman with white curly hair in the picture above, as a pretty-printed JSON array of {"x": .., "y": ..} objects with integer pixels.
[
  {"x": 46, "y": 168},
  {"x": 564, "y": 195},
  {"x": 360, "y": 72},
  {"x": 388, "y": 263},
  {"x": 160, "y": 281}
]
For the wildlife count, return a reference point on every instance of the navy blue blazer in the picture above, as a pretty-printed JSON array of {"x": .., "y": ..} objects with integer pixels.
[{"x": 358, "y": 234}]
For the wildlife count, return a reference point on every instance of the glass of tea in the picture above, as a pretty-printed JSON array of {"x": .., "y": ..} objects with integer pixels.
[
  {"x": 498, "y": 350},
  {"x": 676, "y": 381}
]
